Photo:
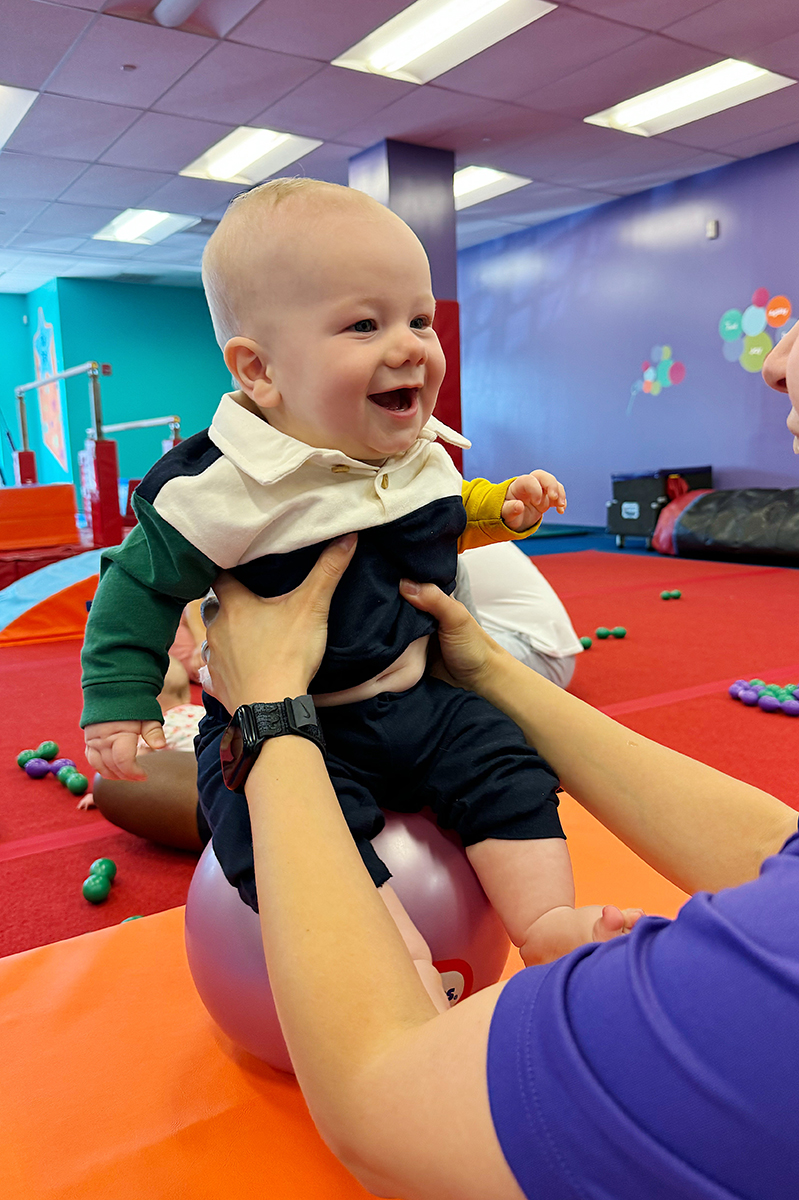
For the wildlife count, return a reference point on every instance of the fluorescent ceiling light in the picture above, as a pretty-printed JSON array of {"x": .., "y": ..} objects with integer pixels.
[
  {"x": 14, "y": 103},
  {"x": 473, "y": 185},
  {"x": 711, "y": 90},
  {"x": 432, "y": 36},
  {"x": 144, "y": 226},
  {"x": 249, "y": 155}
]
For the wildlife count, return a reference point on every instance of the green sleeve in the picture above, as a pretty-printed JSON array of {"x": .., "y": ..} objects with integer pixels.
[{"x": 144, "y": 585}]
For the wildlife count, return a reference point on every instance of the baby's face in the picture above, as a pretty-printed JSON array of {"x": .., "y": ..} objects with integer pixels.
[{"x": 347, "y": 334}]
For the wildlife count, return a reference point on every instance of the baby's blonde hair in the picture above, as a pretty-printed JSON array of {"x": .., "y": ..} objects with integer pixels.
[{"x": 231, "y": 242}]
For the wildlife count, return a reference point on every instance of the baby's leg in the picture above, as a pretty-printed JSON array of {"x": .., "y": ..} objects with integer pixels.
[
  {"x": 530, "y": 884},
  {"x": 417, "y": 947}
]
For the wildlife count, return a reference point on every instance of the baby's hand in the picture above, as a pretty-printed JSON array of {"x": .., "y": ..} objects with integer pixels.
[
  {"x": 111, "y": 746},
  {"x": 529, "y": 497}
]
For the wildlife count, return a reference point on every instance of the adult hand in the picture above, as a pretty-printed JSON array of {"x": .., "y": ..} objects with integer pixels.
[
  {"x": 260, "y": 650},
  {"x": 468, "y": 654}
]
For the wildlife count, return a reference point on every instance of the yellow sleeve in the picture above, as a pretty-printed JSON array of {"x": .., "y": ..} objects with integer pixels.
[{"x": 483, "y": 503}]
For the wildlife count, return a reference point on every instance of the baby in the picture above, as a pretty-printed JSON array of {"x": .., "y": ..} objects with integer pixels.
[{"x": 321, "y": 300}]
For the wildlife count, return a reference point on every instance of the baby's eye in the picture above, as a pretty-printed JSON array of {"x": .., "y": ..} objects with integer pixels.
[
  {"x": 420, "y": 323},
  {"x": 365, "y": 326}
]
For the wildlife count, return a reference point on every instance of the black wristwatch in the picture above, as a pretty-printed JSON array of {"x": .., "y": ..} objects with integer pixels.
[{"x": 253, "y": 724}]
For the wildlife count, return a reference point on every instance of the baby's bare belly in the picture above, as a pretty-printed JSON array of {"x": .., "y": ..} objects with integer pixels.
[{"x": 399, "y": 677}]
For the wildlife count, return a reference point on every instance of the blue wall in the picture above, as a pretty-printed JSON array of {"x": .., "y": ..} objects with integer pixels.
[
  {"x": 16, "y": 366},
  {"x": 557, "y": 321}
]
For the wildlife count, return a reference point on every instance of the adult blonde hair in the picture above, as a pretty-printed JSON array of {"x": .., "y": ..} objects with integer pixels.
[{"x": 231, "y": 244}]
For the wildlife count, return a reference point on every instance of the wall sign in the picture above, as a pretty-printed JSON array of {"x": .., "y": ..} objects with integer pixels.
[{"x": 50, "y": 409}]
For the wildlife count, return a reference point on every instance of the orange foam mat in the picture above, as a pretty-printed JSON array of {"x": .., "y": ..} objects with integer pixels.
[{"x": 118, "y": 1084}]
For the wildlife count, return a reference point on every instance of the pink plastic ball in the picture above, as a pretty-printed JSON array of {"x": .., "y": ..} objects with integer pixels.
[{"x": 432, "y": 877}]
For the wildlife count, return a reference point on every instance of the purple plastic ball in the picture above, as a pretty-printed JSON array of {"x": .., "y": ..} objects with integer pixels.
[
  {"x": 748, "y": 696},
  {"x": 735, "y": 690},
  {"x": 791, "y": 707},
  {"x": 432, "y": 877},
  {"x": 58, "y": 763},
  {"x": 37, "y": 768},
  {"x": 769, "y": 704}
]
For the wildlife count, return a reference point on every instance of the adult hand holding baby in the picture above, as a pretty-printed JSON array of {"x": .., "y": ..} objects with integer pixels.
[{"x": 529, "y": 496}]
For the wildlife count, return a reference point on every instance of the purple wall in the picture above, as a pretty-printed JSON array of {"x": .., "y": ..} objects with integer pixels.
[{"x": 557, "y": 321}]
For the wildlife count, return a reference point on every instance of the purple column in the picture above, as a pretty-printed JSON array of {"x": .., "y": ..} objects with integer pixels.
[{"x": 415, "y": 182}]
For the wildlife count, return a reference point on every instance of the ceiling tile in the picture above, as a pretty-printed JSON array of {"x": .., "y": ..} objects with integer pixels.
[
  {"x": 113, "y": 250},
  {"x": 736, "y": 27},
  {"x": 35, "y": 37},
  {"x": 94, "y": 70},
  {"x": 525, "y": 204},
  {"x": 163, "y": 143},
  {"x": 625, "y": 182},
  {"x": 760, "y": 143},
  {"x": 541, "y": 53},
  {"x": 32, "y": 176},
  {"x": 781, "y": 56},
  {"x": 41, "y": 241},
  {"x": 423, "y": 115},
  {"x": 74, "y": 220},
  {"x": 499, "y": 128},
  {"x": 233, "y": 83},
  {"x": 474, "y": 233},
  {"x": 195, "y": 197},
  {"x": 16, "y": 214},
  {"x": 552, "y": 152},
  {"x": 212, "y": 18},
  {"x": 645, "y": 14},
  {"x": 646, "y": 64},
  {"x": 331, "y": 101},
  {"x": 120, "y": 187},
  {"x": 67, "y": 128},
  {"x": 311, "y": 29},
  {"x": 756, "y": 116},
  {"x": 91, "y": 5}
]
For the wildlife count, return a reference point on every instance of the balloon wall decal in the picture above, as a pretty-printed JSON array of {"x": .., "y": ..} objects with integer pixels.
[{"x": 748, "y": 335}]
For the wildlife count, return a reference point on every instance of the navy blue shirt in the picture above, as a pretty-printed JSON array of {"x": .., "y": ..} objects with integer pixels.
[{"x": 663, "y": 1065}]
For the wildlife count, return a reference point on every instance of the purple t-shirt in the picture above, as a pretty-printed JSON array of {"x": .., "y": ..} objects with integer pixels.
[{"x": 663, "y": 1065}]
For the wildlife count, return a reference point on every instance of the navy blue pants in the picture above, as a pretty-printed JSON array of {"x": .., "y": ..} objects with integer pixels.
[{"x": 433, "y": 745}]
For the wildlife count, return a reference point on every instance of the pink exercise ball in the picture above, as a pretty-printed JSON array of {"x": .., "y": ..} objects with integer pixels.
[{"x": 433, "y": 879}]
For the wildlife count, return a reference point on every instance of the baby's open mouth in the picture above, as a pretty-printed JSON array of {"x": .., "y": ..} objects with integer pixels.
[{"x": 398, "y": 400}]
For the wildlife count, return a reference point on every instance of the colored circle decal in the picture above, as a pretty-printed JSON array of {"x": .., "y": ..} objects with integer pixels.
[
  {"x": 733, "y": 350},
  {"x": 786, "y": 328},
  {"x": 649, "y": 374},
  {"x": 663, "y": 377},
  {"x": 657, "y": 353},
  {"x": 760, "y": 297},
  {"x": 730, "y": 324},
  {"x": 756, "y": 347},
  {"x": 647, "y": 386},
  {"x": 753, "y": 320},
  {"x": 656, "y": 388},
  {"x": 666, "y": 352},
  {"x": 778, "y": 311},
  {"x": 676, "y": 372}
]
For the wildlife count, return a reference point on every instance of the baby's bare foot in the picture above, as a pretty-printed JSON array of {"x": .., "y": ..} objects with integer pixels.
[{"x": 563, "y": 929}]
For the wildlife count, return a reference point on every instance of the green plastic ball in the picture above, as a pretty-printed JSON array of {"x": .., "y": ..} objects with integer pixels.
[
  {"x": 586, "y": 643},
  {"x": 603, "y": 632},
  {"x": 665, "y": 595},
  {"x": 619, "y": 631},
  {"x": 25, "y": 757},
  {"x": 103, "y": 866},
  {"x": 47, "y": 751},
  {"x": 96, "y": 888},
  {"x": 63, "y": 775},
  {"x": 76, "y": 783},
  {"x": 757, "y": 683},
  {"x": 138, "y": 917},
  {"x": 676, "y": 594}
]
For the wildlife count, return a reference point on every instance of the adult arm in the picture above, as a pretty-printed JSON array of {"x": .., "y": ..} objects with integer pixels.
[
  {"x": 397, "y": 1091},
  {"x": 698, "y": 827}
]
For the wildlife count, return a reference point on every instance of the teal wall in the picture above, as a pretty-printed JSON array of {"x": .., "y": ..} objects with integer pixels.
[
  {"x": 160, "y": 344},
  {"x": 16, "y": 366}
]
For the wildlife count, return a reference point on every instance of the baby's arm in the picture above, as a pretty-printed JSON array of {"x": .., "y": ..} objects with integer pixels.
[
  {"x": 529, "y": 496},
  {"x": 502, "y": 512},
  {"x": 144, "y": 586},
  {"x": 530, "y": 884}
]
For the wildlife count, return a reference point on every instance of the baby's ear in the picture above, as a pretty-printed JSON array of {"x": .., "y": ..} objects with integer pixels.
[{"x": 246, "y": 362}]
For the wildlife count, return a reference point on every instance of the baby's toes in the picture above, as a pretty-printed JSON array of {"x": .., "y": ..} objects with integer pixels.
[{"x": 631, "y": 917}]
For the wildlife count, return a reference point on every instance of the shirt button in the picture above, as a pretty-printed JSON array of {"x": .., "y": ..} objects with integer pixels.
[
  {"x": 384, "y": 482},
  {"x": 340, "y": 469}
]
